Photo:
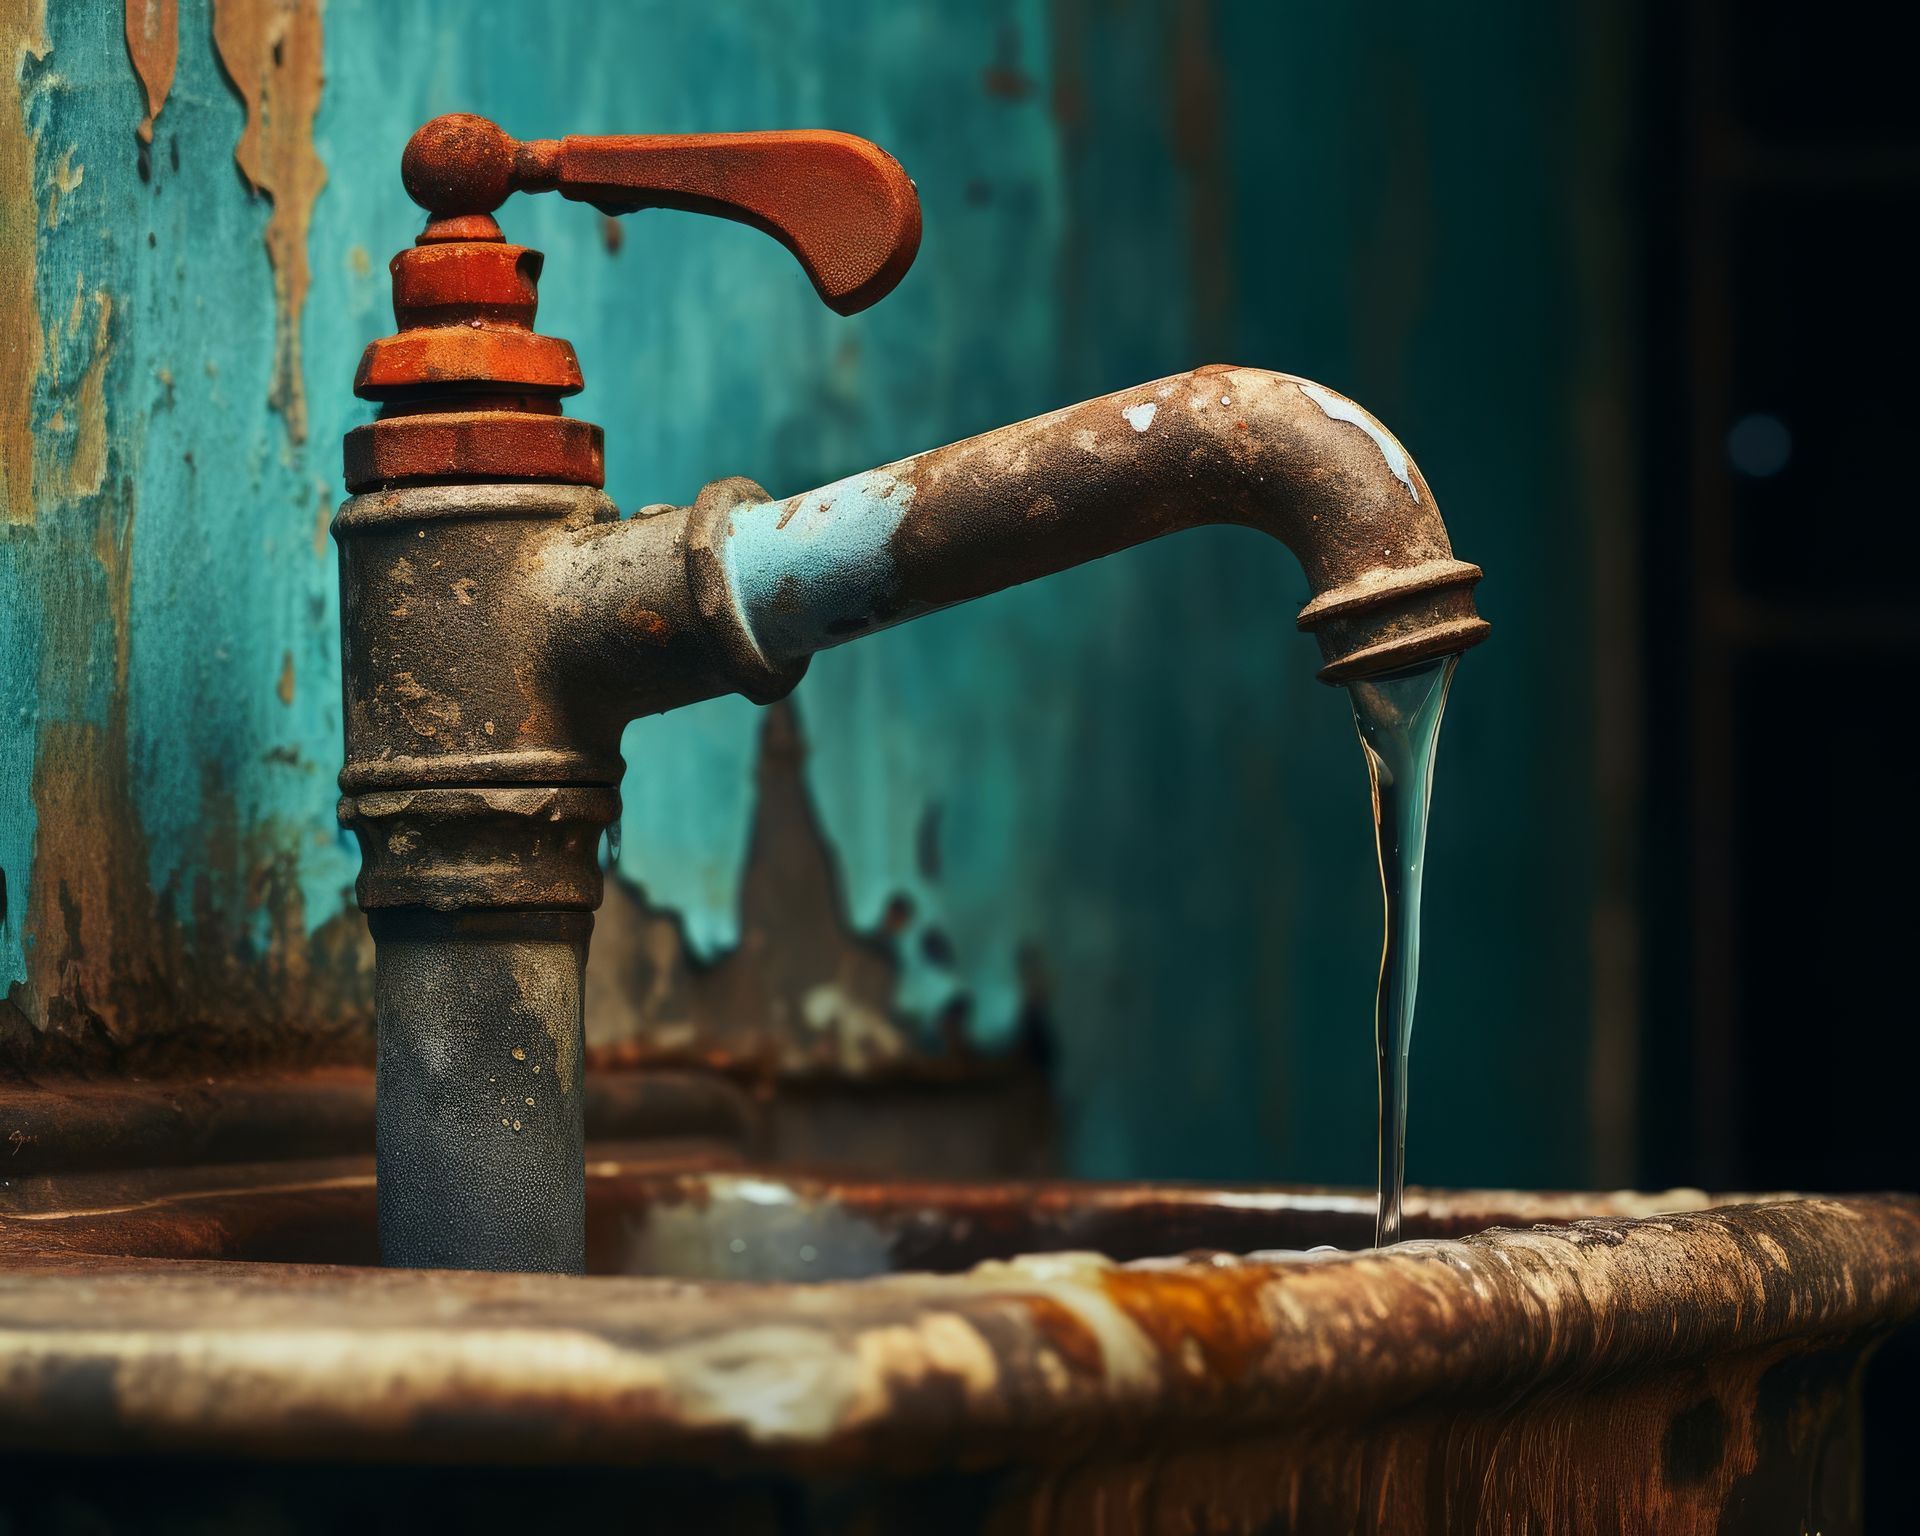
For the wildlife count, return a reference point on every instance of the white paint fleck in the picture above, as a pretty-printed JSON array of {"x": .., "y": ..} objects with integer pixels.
[
  {"x": 1340, "y": 408},
  {"x": 776, "y": 1382},
  {"x": 1140, "y": 417},
  {"x": 1075, "y": 1281}
]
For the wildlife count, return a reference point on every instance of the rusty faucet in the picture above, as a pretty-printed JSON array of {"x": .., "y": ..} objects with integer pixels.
[{"x": 501, "y": 623}]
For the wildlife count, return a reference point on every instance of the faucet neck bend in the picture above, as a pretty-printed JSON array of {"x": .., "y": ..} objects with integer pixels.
[{"x": 1218, "y": 445}]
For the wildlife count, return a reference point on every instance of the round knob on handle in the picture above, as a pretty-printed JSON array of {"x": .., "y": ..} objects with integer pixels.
[
  {"x": 459, "y": 164},
  {"x": 841, "y": 205}
]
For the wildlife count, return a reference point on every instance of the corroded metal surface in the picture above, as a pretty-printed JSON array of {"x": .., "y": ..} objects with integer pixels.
[
  {"x": 1216, "y": 445},
  {"x": 55, "y": 1131},
  {"x": 470, "y": 392},
  {"x": 841, "y": 205},
  {"x": 691, "y": 1202},
  {"x": 1690, "y": 1372},
  {"x": 805, "y": 994},
  {"x": 588, "y": 622},
  {"x": 687, "y": 1222},
  {"x": 481, "y": 1115}
]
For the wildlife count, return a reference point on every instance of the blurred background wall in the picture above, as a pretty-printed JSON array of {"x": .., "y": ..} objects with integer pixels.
[{"x": 1107, "y": 834}]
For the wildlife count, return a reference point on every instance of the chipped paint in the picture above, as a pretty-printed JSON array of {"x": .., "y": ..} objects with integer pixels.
[
  {"x": 153, "y": 43},
  {"x": 133, "y": 948},
  {"x": 78, "y": 439},
  {"x": 271, "y": 51},
  {"x": 810, "y": 566},
  {"x": 802, "y": 993},
  {"x": 23, "y": 41},
  {"x": 1340, "y": 408},
  {"x": 62, "y": 182},
  {"x": 1140, "y": 417}
]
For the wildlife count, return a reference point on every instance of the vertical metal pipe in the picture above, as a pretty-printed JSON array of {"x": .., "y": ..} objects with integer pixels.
[{"x": 481, "y": 1128}]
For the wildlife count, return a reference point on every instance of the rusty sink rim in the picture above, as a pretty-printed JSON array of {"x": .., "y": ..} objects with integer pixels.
[{"x": 1012, "y": 1361}]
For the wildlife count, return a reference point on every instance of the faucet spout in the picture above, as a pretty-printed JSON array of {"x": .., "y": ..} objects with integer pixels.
[{"x": 1217, "y": 445}]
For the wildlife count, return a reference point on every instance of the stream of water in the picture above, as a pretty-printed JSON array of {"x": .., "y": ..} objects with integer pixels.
[{"x": 1398, "y": 718}]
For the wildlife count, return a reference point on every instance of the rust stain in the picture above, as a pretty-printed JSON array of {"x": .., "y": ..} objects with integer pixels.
[
  {"x": 121, "y": 978},
  {"x": 22, "y": 36},
  {"x": 125, "y": 980},
  {"x": 153, "y": 43},
  {"x": 271, "y": 52},
  {"x": 1693, "y": 1376},
  {"x": 1071, "y": 1337},
  {"x": 82, "y": 469},
  {"x": 803, "y": 993},
  {"x": 1004, "y": 77},
  {"x": 209, "y": 973},
  {"x": 806, "y": 996},
  {"x": 62, "y": 182},
  {"x": 284, "y": 689},
  {"x": 802, "y": 989},
  {"x": 1204, "y": 1323},
  {"x": 644, "y": 624}
]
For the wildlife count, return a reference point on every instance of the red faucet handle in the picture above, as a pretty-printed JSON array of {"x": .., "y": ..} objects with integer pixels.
[{"x": 842, "y": 205}]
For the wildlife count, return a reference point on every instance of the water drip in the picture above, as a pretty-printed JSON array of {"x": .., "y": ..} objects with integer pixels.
[{"x": 1398, "y": 718}]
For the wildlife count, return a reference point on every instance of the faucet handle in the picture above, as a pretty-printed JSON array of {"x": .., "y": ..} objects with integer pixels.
[{"x": 843, "y": 206}]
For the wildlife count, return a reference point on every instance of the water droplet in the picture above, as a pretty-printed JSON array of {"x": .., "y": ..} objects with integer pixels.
[
  {"x": 738, "y": 1245},
  {"x": 519, "y": 1053},
  {"x": 808, "y": 1253},
  {"x": 529, "y": 1103},
  {"x": 516, "y": 1125}
]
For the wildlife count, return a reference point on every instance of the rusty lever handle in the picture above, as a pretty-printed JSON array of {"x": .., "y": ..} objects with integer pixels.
[{"x": 842, "y": 205}]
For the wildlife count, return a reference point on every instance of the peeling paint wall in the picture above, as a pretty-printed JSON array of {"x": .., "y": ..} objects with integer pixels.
[{"x": 1117, "y": 803}]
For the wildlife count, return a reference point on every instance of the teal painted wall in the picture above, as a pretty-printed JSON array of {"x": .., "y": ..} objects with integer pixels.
[{"x": 1130, "y": 774}]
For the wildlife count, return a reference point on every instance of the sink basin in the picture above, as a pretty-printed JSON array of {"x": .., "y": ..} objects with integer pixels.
[{"x": 763, "y": 1351}]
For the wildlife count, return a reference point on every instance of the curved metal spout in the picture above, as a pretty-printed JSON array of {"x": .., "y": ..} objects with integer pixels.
[{"x": 1218, "y": 445}]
